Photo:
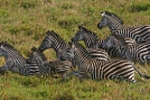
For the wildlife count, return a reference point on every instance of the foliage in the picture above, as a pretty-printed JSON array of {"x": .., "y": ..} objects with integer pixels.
[{"x": 23, "y": 24}]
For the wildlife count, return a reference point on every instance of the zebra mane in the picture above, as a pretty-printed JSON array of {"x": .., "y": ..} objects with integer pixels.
[
  {"x": 41, "y": 54},
  {"x": 54, "y": 34},
  {"x": 112, "y": 15},
  {"x": 5, "y": 44},
  {"x": 81, "y": 27}
]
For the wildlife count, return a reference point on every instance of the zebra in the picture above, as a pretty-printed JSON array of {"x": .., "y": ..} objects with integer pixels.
[
  {"x": 133, "y": 51},
  {"x": 99, "y": 70},
  {"x": 53, "y": 40},
  {"x": 47, "y": 67},
  {"x": 91, "y": 40},
  {"x": 140, "y": 34},
  {"x": 15, "y": 62}
]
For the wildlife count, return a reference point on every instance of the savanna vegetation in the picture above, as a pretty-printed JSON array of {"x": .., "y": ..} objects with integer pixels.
[{"x": 23, "y": 24}]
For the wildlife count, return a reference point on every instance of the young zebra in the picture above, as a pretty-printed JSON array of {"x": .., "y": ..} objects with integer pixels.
[
  {"x": 15, "y": 62},
  {"x": 53, "y": 40},
  {"x": 133, "y": 52},
  {"x": 139, "y": 34},
  {"x": 49, "y": 67},
  {"x": 99, "y": 70}
]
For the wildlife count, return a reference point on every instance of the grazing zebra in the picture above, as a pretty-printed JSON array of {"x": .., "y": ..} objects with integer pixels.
[
  {"x": 15, "y": 62},
  {"x": 134, "y": 52},
  {"x": 49, "y": 67},
  {"x": 99, "y": 70},
  {"x": 53, "y": 40},
  {"x": 139, "y": 34}
]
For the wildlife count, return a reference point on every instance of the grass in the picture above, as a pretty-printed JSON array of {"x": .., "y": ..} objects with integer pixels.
[{"x": 23, "y": 24}]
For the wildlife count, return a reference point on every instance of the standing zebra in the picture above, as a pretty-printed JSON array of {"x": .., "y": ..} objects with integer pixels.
[
  {"x": 139, "y": 34},
  {"x": 134, "y": 52},
  {"x": 53, "y": 40},
  {"x": 99, "y": 70},
  {"x": 49, "y": 67},
  {"x": 15, "y": 62}
]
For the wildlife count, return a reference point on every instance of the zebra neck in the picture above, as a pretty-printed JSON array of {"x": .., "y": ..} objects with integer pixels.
[
  {"x": 115, "y": 28},
  {"x": 59, "y": 45},
  {"x": 89, "y": 42},
  {"x": 82, "y": 59}
]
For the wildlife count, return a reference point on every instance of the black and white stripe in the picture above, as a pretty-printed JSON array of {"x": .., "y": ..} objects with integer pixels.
[
  {"x": 99, "y": 70},
  {"x": 53, "y": 40},
  {"x": 132, "y": 51},
  {"x": 140, "y": 34},
  {"x": 91, "y": 40},
  {"x": 49, "y": 67},
  {"x": 15, "y": 62}
]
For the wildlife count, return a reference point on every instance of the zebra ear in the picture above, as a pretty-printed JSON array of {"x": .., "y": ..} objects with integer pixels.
[
  {"x": 4, "y": 42},
  {"x": 103, "y": 13},
  {"x": 108, "y": 13},
  {"x": 33, "y": 49},
  {"x": 1, "y": 43},
  {"x": 47, "y": 32}
]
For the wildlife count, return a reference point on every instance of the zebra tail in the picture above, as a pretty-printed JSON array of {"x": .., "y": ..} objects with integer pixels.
[{"x": 142, "y": 75}]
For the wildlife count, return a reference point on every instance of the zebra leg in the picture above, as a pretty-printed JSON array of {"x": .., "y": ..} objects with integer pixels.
[
  {"x": 121, "y": 78},
  {"x": 3, "y": 69},
  {"x": 69, "y": 74},
  {"x": 6, "y": 67},
  {"x": 117, "y": 77}
]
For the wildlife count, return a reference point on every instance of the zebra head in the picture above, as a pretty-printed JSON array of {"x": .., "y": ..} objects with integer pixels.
[
  {"x": 69, "y": 53},
  {"x": 36, "y": 56},
  {"x": 6, "y": 49},
  {"x": 79, "y": 35},
  {"x": 1, "y": 49},
  {"x": 86, "y": 35},
  {"x": 109, "y": 19},
  {"x": 47, "y": 41}
]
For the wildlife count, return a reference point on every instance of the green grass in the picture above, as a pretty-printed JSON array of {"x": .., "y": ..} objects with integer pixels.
[{"x": 23, "y": 24}]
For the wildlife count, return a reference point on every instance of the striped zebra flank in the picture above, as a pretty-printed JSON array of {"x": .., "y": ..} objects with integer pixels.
[
  {"x": 140, "y": 34},
  {"x": 132, "y": 51},
  {"x": 15, "y": 62},
  {"x": 99, "y": 70}
]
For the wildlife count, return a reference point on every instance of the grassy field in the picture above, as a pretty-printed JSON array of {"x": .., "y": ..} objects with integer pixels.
[{"x": 23, "y": 24}]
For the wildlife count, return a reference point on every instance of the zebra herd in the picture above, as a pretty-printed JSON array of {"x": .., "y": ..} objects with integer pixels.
[{"x": 131, "y": 44}]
